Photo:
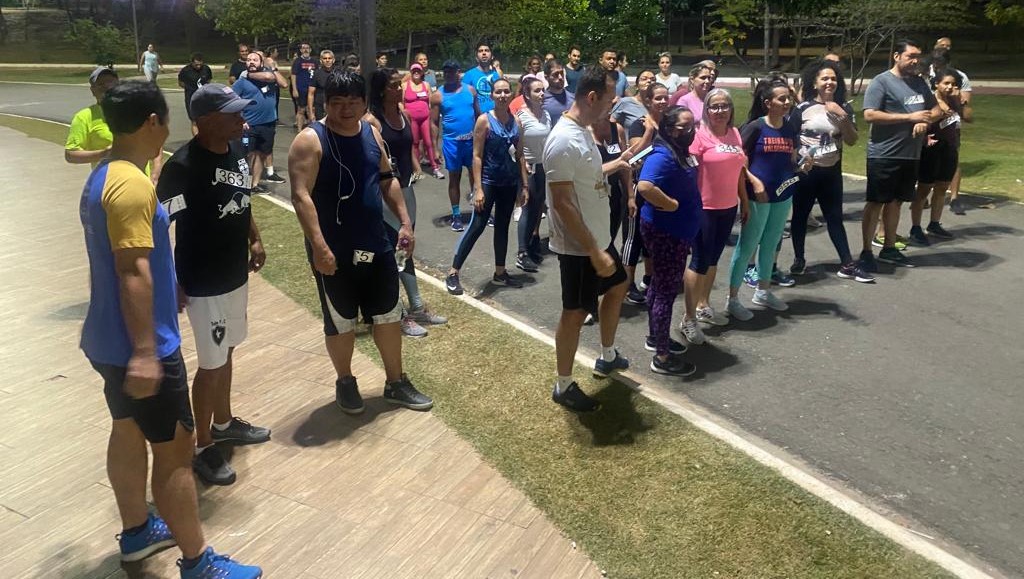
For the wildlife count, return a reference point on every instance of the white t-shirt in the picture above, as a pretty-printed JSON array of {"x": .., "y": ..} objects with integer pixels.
[
  {"x": 571, "y": 155},
  {"x": 672, "y": 82},
  {"x": 535, "y": 133}
]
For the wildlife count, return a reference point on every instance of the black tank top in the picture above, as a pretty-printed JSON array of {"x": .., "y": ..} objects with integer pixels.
[{"x": 399, "y": 145}]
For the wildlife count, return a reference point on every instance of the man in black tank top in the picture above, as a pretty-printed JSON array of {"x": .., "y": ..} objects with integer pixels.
[{"x": 340, "y": 181}]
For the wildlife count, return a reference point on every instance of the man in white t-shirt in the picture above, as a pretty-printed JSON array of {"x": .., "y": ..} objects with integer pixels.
[{"x": 580, "y": 235}]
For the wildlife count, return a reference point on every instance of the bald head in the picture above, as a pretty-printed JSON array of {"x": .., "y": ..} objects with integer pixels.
[{"x": 944, "y": 42}]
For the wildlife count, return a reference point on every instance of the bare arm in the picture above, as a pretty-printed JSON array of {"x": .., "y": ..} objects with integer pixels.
[
  {"x": 80, "y": 157},
  {"x": 257, "y": 255},
  {"x": 282, "y": 82},
  {"x": 480, "y": 131},
  {"x": 392, "y": 194},
  {"x": 135, "y": 282},
  {"x": 435, "y": 107},
  {"x": 303, "y": 166},
  {"x": 524, "y": 173},
  {"x": 262, "y": 76},
  {"x": 310, "y": 97},
  {"x": 656, "y": 197}
]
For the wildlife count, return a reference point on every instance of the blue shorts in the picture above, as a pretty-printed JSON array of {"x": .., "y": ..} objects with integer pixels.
[{"x": 457, "y": 154}]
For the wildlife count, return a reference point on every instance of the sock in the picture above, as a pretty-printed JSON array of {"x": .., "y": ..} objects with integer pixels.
[
  {"x": 270, "y": 170},
  {"x": 222, "y": 426},
  {"x": 456, "y": 212},
  {"x": 608, "y": 353},
  {"x": 136, "y": 530},
  {"x": 200, "y": 449},
  {"x": 562, "y": 383}
]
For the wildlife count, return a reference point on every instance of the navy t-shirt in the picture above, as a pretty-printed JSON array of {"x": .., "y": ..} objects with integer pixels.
[
  {"x": 770, "y": 154},
  {"x": 678, "y": 182}
]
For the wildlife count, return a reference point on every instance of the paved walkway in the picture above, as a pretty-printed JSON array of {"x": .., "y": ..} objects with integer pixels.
[{"x": 392, "y": 493}]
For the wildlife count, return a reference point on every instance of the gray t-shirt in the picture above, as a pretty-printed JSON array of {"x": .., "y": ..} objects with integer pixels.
[
  {"x": 901, "y": 95},
  {"x": 571, "y": 155},
  {"x": 627, "y": 111}
]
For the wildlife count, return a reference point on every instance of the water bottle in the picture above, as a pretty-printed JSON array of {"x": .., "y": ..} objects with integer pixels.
[{"x": 402, "y": 254}]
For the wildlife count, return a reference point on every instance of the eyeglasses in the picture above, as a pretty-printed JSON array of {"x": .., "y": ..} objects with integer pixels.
[{"x": 719, "y": 108}]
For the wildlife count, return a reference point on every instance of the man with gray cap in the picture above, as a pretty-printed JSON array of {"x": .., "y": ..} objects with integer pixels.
[{"x": 205, "y": 188}]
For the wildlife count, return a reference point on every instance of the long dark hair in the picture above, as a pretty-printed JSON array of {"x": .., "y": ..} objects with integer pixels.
[
  {"x": 378, "y": 84},
  {"x": 810, "y": 76},
  {"x": 762, "y": 92},
  {"x": 667, "y": 125}
]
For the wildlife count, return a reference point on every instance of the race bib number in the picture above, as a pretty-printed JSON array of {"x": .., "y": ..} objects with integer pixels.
[
  {"x": 265, "y": 89},
  {"x": 692, "y": 162},
  {"x": 730, "y": 149},
  {"x": 174, "y": 205},
  {"x": 951, "y": 120},
  {"x": 613, "y": 149},
  {"x": 823, "y": 150},
  {"x": 360, "y": 256},
  {"x": 231, "y": 178}
]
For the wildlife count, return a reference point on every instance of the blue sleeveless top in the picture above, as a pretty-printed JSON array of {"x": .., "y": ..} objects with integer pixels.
[
  {"x": 347, "y": 197},
  {"x": 500, "y": 166},
  {"x": 457, "y": 114}
]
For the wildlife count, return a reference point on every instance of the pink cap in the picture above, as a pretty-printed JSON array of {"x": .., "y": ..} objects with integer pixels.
[{"x": 416, "y": 66}]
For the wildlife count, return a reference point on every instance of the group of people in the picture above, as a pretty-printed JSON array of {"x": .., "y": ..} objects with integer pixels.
[{"x": 653, "y": 174}]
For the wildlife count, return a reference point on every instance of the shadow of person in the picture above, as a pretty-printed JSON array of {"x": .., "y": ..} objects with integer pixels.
[
  {"x": 328, "y": 423},
  {"x": 979, "y": 231},
  {"x": 144, "y": 569},
  {"x": 71, "y": 312},
  {"x": 807, "y": 307},
  {"x": 709, "y": 359},
  {"x": 964, "y": 259},
  {"x": 618, "y": 422}
]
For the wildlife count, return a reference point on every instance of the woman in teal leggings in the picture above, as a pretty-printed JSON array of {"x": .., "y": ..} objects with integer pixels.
[{"x": 770, "y": 144}]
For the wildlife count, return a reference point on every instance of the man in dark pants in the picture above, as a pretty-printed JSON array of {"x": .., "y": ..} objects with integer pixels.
[
  {"x": 303, "y": 68},
  {"x": 192, "y": 76}
]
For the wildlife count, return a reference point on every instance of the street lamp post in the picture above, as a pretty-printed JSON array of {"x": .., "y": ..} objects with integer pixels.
[
  {"x": 367, "y": 38},
  {"x": 135, "y": 32}
]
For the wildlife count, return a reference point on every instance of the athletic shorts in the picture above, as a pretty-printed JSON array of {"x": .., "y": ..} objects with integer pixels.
[
  {"x": 715, "y": 227},
  {"x": 457, "y": 154},
  {"x": 218, "y": 323},
  {"x": 581, "y": 285},
  {"x": 188, "y": 107},
  {"x": 158, "y": 415},
  {"x": 632, "y": 241},
  {"x": 301, "y": 101},
  {"x": 261, "y": 138},
  {"x": 891, "y": 180},
  {"x": 938, "y": 163},
  {"x": 368, "y": 290}
]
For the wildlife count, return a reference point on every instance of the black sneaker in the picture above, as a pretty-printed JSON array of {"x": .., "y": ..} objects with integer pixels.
[
  {"x": 210, "y": 466},
  {"x": 854, "y": 271},
  {"x": 275, "y": 178},
  {"x": 259, "y": 189},
  {"x": 957, "y": 206},
  {"x": 894, "y": 256},
  {"x": 575, "y": 399},
  {"x": 672, "y": 366},
  {"x": 917, "y": 237},
  {"x": 799, "y": 267},
  {"x": 674, "y": 347},
  {"x": 241, "y": 432},
  {"x": 506, "y": 280},
  {"x": 935, "y": 228},
  {"x": 635, "y": 297},
  {"x": 346, "y": 395},
  {"x": 603, "y": 368},
  {"x": 867, "y": 262},
  {"x": 525, "y": 263},
  {"x": 403, "y": 393},
  {"x": 452, "y": 284}
]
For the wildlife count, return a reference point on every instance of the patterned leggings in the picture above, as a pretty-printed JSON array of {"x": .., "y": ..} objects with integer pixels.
[{"x": 667, "y": 262}]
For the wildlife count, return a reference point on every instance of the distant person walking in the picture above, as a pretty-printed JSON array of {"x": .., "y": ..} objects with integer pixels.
[
  {"x": 191, "y": 77},
  {"x": 150, "y": 64}
]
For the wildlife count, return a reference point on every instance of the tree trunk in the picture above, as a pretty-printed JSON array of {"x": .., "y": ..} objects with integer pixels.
[
  {"x": 3, "y": 27},
  {"x": 682, "y": 34},
  {"x": 776, "y": 40},
  {"x": 767, "y": 33},
  {"x": 408, "y": 50},
  {"x": 798, "y": 40}
]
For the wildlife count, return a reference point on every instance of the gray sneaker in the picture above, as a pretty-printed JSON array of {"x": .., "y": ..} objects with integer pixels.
[
  {"x": 211, "y": 467},
  {"x": 708, "y": 315},
  {"x": 425, "y": 316},
  {"x": 692, "y": 331},
  {"x": 241, "y": 432},
  {"x": 346, "y": 395},
  {"x": 737, "y": 310},
  {"x": 411, "y": 328},
  {"x": 767, "y": 299},
  {"x": 403, "y": 393}
]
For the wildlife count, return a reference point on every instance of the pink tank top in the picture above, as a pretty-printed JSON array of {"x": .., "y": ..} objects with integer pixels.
[{"x": 417, "y": 103}]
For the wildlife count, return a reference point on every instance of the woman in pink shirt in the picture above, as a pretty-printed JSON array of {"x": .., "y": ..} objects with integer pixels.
[
  {"x": 721, "y": 177},
  {"x": 702, "y": 80},
  {"x": 416, "y": 97}
]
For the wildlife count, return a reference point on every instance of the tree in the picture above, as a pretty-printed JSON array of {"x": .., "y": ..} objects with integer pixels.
[
  {"x": 254, "y": 18},
  {"x": 1008, "y": 12},
  {"x": 105, "y": 43},
  {"x": 538, "y": 25},
  {"x": 400, "y": 19},
  {"x": 732, "y": 19}
]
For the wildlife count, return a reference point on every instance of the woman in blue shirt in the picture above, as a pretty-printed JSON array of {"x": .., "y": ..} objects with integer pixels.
[{"x": 669, "y": 221}]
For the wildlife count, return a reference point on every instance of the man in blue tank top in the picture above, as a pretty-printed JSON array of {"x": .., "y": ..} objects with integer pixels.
[
  {"x": 456, "y": 106},
  {"x": 340, "y": 182}
]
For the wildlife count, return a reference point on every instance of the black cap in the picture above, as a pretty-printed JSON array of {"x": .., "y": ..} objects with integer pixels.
[
  {"x": 451, "y": 64},
  {"x": 216, "y": 98}
]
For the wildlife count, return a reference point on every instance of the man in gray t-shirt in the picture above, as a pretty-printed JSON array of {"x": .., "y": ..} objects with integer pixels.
[{"x": 898, "y": 105}]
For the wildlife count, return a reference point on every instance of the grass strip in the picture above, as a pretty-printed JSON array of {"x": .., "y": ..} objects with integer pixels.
[{"x": 643, "y": 491}]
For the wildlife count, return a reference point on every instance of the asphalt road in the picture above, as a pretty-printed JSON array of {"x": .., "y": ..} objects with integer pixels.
[{"x": 903, "y": 390}]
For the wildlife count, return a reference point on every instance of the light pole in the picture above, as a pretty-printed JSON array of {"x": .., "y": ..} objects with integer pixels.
[
  {"x": 135, "y": 32},
  {"x": 367, "y": 39}
]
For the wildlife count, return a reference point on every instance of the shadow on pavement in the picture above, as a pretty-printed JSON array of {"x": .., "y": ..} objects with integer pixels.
[
  {"x": 328, "y": 423},
  {"x": 71, "y": 312},
  {"x": 618, "y": 421},
  {"x": 709, "y": 359},
  {"x": 977, "y": 260}
]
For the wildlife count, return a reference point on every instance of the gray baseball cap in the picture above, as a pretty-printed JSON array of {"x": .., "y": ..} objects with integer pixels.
[
  {"x": 101, "y": 70},
  {"x": 216, "y": 98}
]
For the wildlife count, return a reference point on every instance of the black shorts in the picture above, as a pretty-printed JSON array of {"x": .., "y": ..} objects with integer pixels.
[
  {"x": 301, "y": 101},
  {"x": 938, "y": 163},
  {"x": 261, "y": 138},
  {"x": 157, "y": 416},
  {"x": 891, "y": 180},
  {"x": 188, "y": 106},
  {"x": 580, "y": 283},
  {"x": 354, "y": 292}
]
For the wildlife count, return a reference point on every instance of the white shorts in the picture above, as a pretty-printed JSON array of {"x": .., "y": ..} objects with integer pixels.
[{"x": 218, "y": 323}]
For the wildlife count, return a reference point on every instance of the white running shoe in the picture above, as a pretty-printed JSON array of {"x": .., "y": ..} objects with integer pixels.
[
  {"x": 737, "y": 310},
  {"x": 692, "y": 331},
  {"x": 708, "y": 315},
  {"x": 767, "y": 299},
  {"x": 517, "y": 213}
]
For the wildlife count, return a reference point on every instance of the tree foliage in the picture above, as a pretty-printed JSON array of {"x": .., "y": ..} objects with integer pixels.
[
  {"x": 104, "y": 43},
  {"x": 1006, "y": 12},
  {"x": 253, "y": 19}
]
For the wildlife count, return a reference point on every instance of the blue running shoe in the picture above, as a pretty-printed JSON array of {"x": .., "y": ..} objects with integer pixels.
[
  {"x": 750, "y": 277},
  {"x": 155, "y": 537},
  {"x": 214, "y": 566},
  {"x": 603, "y": 368}
]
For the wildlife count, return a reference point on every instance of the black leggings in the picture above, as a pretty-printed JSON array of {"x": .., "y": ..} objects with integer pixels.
[
  {"x": 824, "y": 185},
  {"x": 501, "y": 198},
  {"x": 534, "y": 208}
]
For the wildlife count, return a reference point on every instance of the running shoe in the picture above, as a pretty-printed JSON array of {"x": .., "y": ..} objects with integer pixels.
[
  {"x": 403, "y": 393},
  {"x": 490, "y": 221},
  {"x": 854, "y": 271},
  {"x": 750, "y": 277},
  {"x": 781, "y": 279},
  {"x": 957, "y": 206},
  {"x": 814, "y": 222},
  {"x": 153, "y": 537},
  {"x": 411, "y": 328},
  {"x": 517, "y": 213},
  {"x": 425, "y": 316},
  {"x": 935, "y": 228},
  {"x": 506, "y": 280},
  {"x": 603, "y": 368},
  {"x": 590, "y": 320},
  {"x": 259, "y": 189},
  {"x": 418, "y": 176},
  {"x": 737, "y": 310},
  {"x": 211, "y": 467},
  {"x": 867, "y": 262},
  {"x": 241, "y": 432},
  {"x": 644, "y": 282},
  {"x": 438, "y": 174},
  {"x": 917, "y": 236},
  {"x": 672, "y": 366},
  {"x": 799, "y": 266},
  {"x": 211, "y": 565},
  {"x": 708, "y": 315},
  {"x": 457, "y": 224},
  {"x": 346, "y": 395},
  {"x": 575, "y": 399},
  {"x": 635, "y": 297},
  {"x": 767, "y": 299},
  {"x": 275, "y": 178},
  {"x": 692, "y": 332},
  {"x": 674, "y": 347},
  {"x": 526, "y": 264},
  {"x": 893, "y": 256},
  {"x": 452, "y": 284},
  {"x": 901, "y": 242}
]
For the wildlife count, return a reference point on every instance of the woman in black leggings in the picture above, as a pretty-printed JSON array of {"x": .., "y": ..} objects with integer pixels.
[{"x": 826, "y": 122}]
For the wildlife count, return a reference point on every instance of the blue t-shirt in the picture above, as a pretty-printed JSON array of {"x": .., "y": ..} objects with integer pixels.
[
  {"x": 679, "y": 183},
  {"x": 482, "y": 82},
  {"x": 770, "y": 154},
  {"x": 557, "y": 103},
  {"x": 621, "y": 84},
  {"x": 302, "y": 73},
  {"x": 264, "y": 97}
]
